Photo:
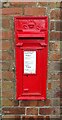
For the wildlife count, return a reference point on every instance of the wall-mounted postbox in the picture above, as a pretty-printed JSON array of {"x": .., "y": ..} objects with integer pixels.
[{"x": 31, "y": 34}]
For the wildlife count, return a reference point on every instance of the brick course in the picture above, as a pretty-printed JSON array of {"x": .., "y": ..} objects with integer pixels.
[
  {"x": 5, "y": 23},
  {"x": 11, "y": 11},
  {"x": 58, "y": 26},
  {"x": 45, "y": 111},
  {"x": 33, "y": 109},
  {"x": 15, "y": 110},
  {"x": 56, "y": 14},
  {"x": 6, "y": 35},
  {"x": 34, "y": 11}
]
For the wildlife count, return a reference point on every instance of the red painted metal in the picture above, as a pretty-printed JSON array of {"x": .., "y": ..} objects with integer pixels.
[{"x": 31, "y": 34}]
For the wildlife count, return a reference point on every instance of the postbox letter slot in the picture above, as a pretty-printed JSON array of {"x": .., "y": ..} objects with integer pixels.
[
  {"x": 31, "y": 35},
  {"x": 29, "y": 38}
]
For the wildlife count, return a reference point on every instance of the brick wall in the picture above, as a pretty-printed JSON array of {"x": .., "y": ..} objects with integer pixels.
[{"x": 31, "y": 110}]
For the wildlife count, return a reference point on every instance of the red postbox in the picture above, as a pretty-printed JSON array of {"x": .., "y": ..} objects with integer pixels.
[{"x": 31, "y": 34}]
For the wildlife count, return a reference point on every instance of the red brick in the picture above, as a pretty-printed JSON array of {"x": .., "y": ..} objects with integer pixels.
[
  {"x": 7, "y": 85},
  {"x": 13, "y": 117},
  {"x": 54, "y": 45},
  {"x": 6, "y": 45},
  {"x": 47, "y": 117},
  {"x": 56, "y": 14},
  {"x": 5, "y": 23},
  {"x": 56, "y": 85},
  {"x": 0, "y": 34},
  {"x": 32, "y": 111},
  {"x": 0, "y": 115},
  {"x": 17, "y": 110},
  {"x": 55, "y": 35},
  {"x": 7, "y": 94},
  {"x": 0, "y": 67},
  {"x": 22, "y": 3},
  {"x": 0, "y": 4},
  {"x": 58, "y": 94},
  {"x": 15, "y": 102},
  {"x": 58, "y": 26},
  {"x": 6, "y": 55},
  {"x": 58, "y": 35},
  {"x": 51, "y": 5},
  {"x": 43, "y": 3},
  {"x": 45, "y": 111},
  {"x": 58, "y": 4},
  {"x": 9, "y": 102},
  {"x": 52, "y": 35},
  {"x": 11, "y": 11},
  {"x": 56, "y": 102},
  {"x": 34, "y": 11},
  {"x": 60, "y": 75},
  {"x": 6, "y": 65},
  {"x": 56, "y": 110},
  {"x": 6, "y": 35},
  {"x": 0, "y": 75},
  {"x": 0, "y": 88},
  {"x": 13, "y": 45},
  {"x": 0, "y": 45},
  {"x": 51, "y": 25},
  {"x": 7, "y": 75},
  {"x": 49, "y": 85},
  {"x": 0, "y": 55},
  {"x": 1, "y": 10},
  {"x": 61, "y": 101},
  {"x": 54, "y": 56},
  {"x": 54, "y": 76},
  {"x": 47, "y": 102},
  {"x": 54, "y": 66},
  {"x": 32, "y": 117},
  {"x": 53, "y": 14},
  {"x": 28, "y": 103}
]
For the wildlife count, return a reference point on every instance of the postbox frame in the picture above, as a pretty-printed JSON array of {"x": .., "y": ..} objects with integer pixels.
[{"x": 19, "y": 61}]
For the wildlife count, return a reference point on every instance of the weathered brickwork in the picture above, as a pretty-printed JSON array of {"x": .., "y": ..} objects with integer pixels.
[{"x": 33, "y": 109}]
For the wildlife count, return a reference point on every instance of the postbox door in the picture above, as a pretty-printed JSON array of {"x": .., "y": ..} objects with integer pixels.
[
  {"x": 31, "y": 81},
  {"x": 32, "y": 72}
]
